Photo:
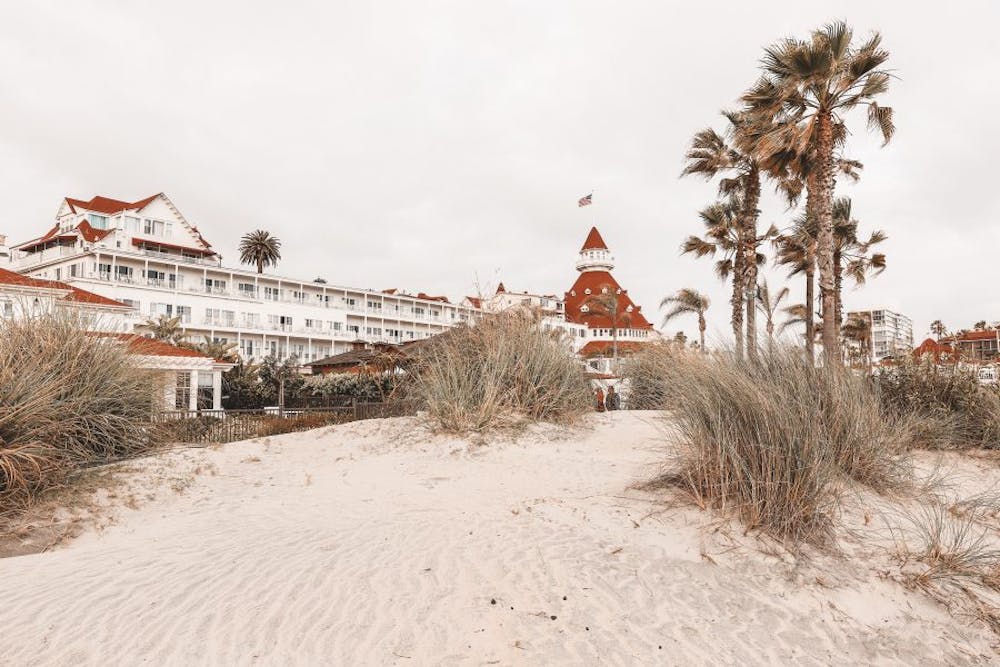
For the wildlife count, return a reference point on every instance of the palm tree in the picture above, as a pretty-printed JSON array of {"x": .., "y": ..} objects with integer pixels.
[
  {"x": 980, "y": 325},
  {"x": 218, "y": 350},
  {"x": 260, "y": 248},
  {"x": 938, "y": 329},
  {"x": 851, "y": 254},
  {"x": 768, "y": 305},
  {"x": 684, "y": 302},
  {"x": 722, "y": 234},
  {"x": 607, "y": 303},
  {"x": 796, "y": 249},
  {"x": 711, "y": 155},
  {"x": 807, "y": 89},
  {"x": 166, "y": 329},
  {"x": 859, "y": 329}
]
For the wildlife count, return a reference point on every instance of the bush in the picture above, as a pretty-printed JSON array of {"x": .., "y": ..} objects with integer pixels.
[
  {"x": 364, "y": 387},
  {"x": 503, "y": 370},
  {"x": 66, "y": 397},
  {"x": 648, "y": 371},
  {"x": 955, "y": 410},
  {"x": 302, "y": 422},
  {"x": 771, "y": 441}
]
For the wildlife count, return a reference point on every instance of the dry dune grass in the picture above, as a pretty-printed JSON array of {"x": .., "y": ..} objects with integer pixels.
[
  {"x": 505, "y": 370},
  {"x": 773, "y": 442},
  {"x": 66, "y": 398}
]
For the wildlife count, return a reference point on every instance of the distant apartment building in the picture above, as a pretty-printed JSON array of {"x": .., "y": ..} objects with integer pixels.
[
  {"x": 891, "y": 333},
  {"x": 147, "y": 255}
]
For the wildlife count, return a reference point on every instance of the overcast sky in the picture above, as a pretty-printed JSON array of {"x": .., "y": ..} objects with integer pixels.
[{"x": 435, "y": 146}]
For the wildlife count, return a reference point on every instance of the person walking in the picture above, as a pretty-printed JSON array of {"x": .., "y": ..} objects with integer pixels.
[
  {"x": 600, "y": 399},
  {"x": 611, "y": 402}
]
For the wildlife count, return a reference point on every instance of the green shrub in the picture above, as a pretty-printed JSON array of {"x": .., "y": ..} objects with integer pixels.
[
  {"x": 361, "y": 386},
  {"x": 955, "y": 410},
  {"x": 504, "y": 370}
]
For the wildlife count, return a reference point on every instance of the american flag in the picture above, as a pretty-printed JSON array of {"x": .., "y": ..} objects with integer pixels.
[{"x": 586, "y": 201}]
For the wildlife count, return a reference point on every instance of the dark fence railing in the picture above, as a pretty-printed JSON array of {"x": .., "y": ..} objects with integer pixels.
[{"x": 218, "y": 426}]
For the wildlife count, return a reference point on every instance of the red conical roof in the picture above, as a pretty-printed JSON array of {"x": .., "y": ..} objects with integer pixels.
[{"x": 594, "y": 241}]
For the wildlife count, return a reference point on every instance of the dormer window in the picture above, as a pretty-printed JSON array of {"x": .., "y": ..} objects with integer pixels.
[
  {"x": 586, "y": 291},
  {"x": 97, "y": 221},
  {"x": 584, "y": 308}
]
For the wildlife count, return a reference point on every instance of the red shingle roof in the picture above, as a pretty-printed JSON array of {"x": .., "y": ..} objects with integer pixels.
[
  {"x": 594, "y": 241},
  {"x": 475, "y": 301},
  {"x": 596, "y": 281},
  {"x": 108, "y": 206},
  {"x": 75, "y": 294},
  {"x": 991, "y": 334},
  {"x": 156, "y": 348}
]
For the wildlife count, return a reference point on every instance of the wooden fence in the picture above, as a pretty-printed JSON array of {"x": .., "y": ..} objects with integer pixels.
[{"x": 218, "y": 426}]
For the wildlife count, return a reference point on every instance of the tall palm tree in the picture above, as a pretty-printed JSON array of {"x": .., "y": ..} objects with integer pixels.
[
  {"x": 165, "y": 328},
  {"x": 938, "y": 329},
  {"x": 711, "y": 155},
  {"x": 607, "y": 302},
  {"x": 807, "y": 89},
  {"x": 687, "y": 301},
  {"x": 851, "y": 254},
  {"x": 722, "y": 235},
  {"x": 796, "y": 249},
  {"x": 260, "y": 248},
  {"x": 768, "y": 305}
]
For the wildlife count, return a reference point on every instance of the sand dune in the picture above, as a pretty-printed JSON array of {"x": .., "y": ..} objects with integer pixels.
[{"x": 378, "y": 543}]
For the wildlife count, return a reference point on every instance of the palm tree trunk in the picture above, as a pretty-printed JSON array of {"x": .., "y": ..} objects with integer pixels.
[
  {"x": 701, "y": 331},
  {"x": 749, "y": 230},
  {"x": 260, "y": 264},
  {"x": 811, "y": 308},
  {"x": 770, "y": 335},
  {"x": 824, "y": 238},
  {"x": 737, "y": 302},
  {"x": 838, "y": 285}
]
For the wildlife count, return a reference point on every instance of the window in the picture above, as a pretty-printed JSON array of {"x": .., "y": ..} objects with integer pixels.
[
  {"x": 337, "y": 326},
  {"x": 131, "y": 303},
  {"x": 148, "y": 226},
  {"x": 272, "y": 293},
  {"x": 248, "y": 290},
  {"x": 299, "y": 297},
  {"x": 156, "y": 278},
  {"x": 182, "y": 393},
  {"x": 310, "y": 323},
  {"x": 215, "y": 286},
  {"x": 349, "y": 301},
  {"x": 375, "y": 305},
  {"x": 184, "y": 312},
  {"x": 354, "y": 328},
  {"x": 123, "y": 273},
  {"x": 7, "y": 309},
  {"x": 74, "y": 270},
  {"x": 132, "y": 224},
  {"x": 97, "y": 221},
  {"x": 251, "y": 320},
  {"x": 418, "y": 311}
]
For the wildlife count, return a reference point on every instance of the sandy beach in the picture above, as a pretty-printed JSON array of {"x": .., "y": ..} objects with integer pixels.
[{"x": 381, "y": 543}]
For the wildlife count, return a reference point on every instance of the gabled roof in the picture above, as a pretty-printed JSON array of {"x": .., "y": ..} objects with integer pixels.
[
  {"x": 83, "y": 230},
  {"x": 594, "y": 241},
  {"x": 600, "y": 348},
  {"x": 501, "y": 289},
  {"x": 74, "y": 294},
  {"x": 152, "y": 347},
  {"x": 109, "y": 206},
  {"x": 475, "y": 301},
  {"x": 596, "y": 281}
]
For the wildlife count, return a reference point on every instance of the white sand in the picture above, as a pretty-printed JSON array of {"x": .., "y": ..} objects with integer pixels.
[{"x": 376, "y": 543}]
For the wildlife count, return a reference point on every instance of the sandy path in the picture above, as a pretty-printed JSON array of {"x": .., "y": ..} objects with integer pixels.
[{"x": 373, "y": 543}]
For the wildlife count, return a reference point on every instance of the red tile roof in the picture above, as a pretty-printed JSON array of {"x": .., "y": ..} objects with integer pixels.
[
  {"x": 427, "y": 297},
  {"x": 595, "y": 281},
  {"x": 155, "y": 348},
  {"x": 172, "y": 246},
  {"x": 991, "y": 334},
  {"x": 84, "y": 230},
  {"x": 109, "y": 206},
  {"x": 75, "y": 294},
  {"x": 597, "y": 348},
  {"x": 475, "y": 301},
  {"x": 501, "y": 289},
  {"x": 594, "y": 241}
]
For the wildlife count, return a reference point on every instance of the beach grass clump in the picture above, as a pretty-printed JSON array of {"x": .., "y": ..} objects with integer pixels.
[
  {"x": 774, "y": 441},
  {"x": 953, "y": 409},
  {"x": 67, "y": 397},
  {"x": 648, "y": 371},
  {"x": 504, "y": 370}
]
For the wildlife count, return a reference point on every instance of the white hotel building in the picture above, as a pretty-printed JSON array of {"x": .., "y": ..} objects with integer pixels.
[{"x": 147, "y": 255}]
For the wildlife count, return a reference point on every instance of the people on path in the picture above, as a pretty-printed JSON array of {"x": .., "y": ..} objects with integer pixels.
[
  {"x": 612, "y": 400},
  {"x": 600, "y": 399}
]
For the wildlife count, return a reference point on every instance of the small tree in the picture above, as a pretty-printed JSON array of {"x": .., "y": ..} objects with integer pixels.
[{"x": 684, "y": 302}]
